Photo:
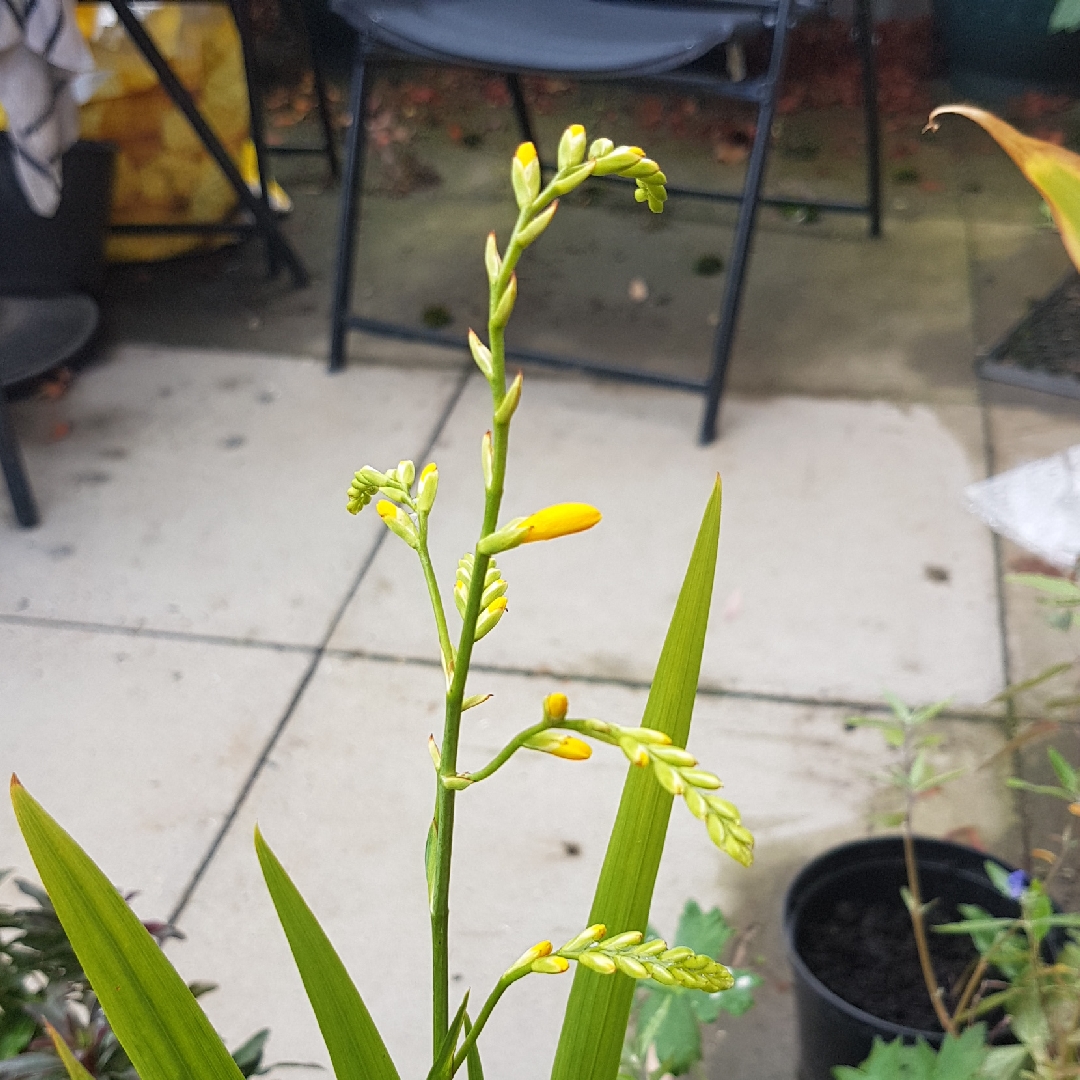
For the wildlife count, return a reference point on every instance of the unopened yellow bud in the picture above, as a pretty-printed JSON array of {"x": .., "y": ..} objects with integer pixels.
[
  {"x": 1074, "y": 809},
  {"x": 489, "y": 617},
  {"x": 525, "y": 175},
  {"x": 525, "y": 960},
  {"x": 600, "y": 148},
  {"x": 406, "y": 473},
  {"x": 598, "y": 962},
  {"x": 586, "y": 937},
  {"x": 619, "y": 160},
  {"x": 399, "y": 522},
  {"x": 702, "y": 779},
  {"x": 555, "y": 706},
  {"x": 572, "y": 147},
  {"x": 637, "y": 753},
  {"x": 550, "y": 965},
  {"x": 427, "y": 489},
  {"x": 537, "y": 225},
  {"x": 560, "y": 520},
  {"x": 560, "y": 744}
]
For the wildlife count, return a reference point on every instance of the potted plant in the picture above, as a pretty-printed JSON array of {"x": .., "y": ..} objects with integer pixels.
[{"x": 154, "y": 1015}]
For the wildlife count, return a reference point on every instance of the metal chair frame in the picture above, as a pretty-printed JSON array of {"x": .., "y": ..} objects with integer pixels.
[{"x": 763, "y": 92}]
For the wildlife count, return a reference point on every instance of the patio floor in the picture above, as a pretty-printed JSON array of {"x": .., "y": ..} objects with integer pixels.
[{"x": 198, "y": 636}]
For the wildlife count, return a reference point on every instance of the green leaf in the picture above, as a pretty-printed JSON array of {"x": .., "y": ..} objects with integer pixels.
[
  {"x": 354, "y": 1043},
  {"x": 75, "y": 1069},
  {"x": 678, "y": 1036},
  {"x": 1038, "y": 789},
  {"x": 16, "y": 1031},
  {"x": 737, "y": 1000},
  {"x": 599, "y": 1006},
  {"x": 705, "y": 932},
  {"x": 1056, "y": 588},
  {"x": 1065, "y": 773},
  {"x": 156, "y": 1019},
  {"x": 443, "y": 1068},
  {"x": 960, "y": 1058},
  {"x": 1016, "y": 689},
  {"x": 1065, "y": 16},
  {"x": 431, "y": 859},
  {"x": 1003, "y": 1063},
  {"x": 248, "y": 1057},
  {"x": 475, "y": 1069}
]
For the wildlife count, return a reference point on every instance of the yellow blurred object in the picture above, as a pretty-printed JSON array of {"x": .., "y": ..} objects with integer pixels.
[{"x": 163, "y": 173}]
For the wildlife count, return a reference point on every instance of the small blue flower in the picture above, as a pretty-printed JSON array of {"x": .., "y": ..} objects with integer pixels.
[{"x": 1018, "y": 882}]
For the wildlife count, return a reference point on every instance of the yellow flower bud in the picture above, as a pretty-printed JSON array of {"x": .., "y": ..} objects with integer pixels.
[
  {"x": 555, "y": 706},
  {"x": 537, "y": 225},
  {"x": 433, "y": 750},
  {"x": 489, "y": 617},
  {"x": 525, "y": 175},
  {"x": 399, "y": 522},
  {"x": 598, "y": 962},
  {"x": 560, "y": 520},
  {"x": 505, "y": 306},
  {"x": 427, "y": 488},
  {"x": 526, "y": 959},
  {"x": 550, "y": 965},
  {"x": 561, "y": 745},
  {"x": 572, "y": 147}
]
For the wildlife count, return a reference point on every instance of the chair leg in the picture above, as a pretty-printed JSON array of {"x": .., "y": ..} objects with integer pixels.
[
  {"x": 351, "y": 194},
  {"x": 322, "y": 102},
  {"x": 864, "y": 40},
  {"x": 521, "y": 112},
  {"x": 258, "y": 129},
  {"x": 22, "y": 498},
  {"x": 744, "y": 229}
]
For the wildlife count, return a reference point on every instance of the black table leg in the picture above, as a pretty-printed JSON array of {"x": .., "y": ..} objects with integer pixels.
[
  {"x": 22, "y": 498},
  {"x": 176, "y": 90}
]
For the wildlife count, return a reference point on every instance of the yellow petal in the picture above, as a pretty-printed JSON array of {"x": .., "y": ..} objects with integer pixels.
[
  {"x": 387, "y": 510},
  {"x": 572, "y": 749},
  {"x": 1052, "y": 170},
  {"x": 525, "y": 153},
  {"x": 560, "y": 520},
  {"x": 555, "y": 705}
]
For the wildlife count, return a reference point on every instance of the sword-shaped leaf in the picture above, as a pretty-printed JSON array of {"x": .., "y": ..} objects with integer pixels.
[{"x": 599, "y": 1007}]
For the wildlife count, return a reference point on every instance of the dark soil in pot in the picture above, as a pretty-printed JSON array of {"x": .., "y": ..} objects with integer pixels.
[{"x": 864, "y": 952}]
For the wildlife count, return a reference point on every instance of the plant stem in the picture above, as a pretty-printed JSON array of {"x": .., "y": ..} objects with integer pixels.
[
  {"x": 445, "y": 647},
  {"x": 501, "y": 987},
  {"x": 508, "y": 751},
  {"x": 455, "y": 695},
  {"x": 919, "y": 928}
]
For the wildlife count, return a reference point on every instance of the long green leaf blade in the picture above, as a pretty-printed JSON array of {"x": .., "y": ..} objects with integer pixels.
[
  {"x": 352, "y": 1039},
  {"x": 154, "y": 1015},
  {"x": 599, "y": 1007},
  {"x": 75, "y": 1068}
]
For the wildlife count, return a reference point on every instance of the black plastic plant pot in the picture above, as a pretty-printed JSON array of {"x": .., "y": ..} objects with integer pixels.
[
  {"x": 831, "y": 1030},
  {"x": 997, "y": 49},
  {"x": 46, "y": 257}
]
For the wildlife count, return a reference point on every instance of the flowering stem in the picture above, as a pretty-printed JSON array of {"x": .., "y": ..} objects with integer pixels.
[
  {"x": 493, "y": 999},
  {"x": 445, "y": 647},
  {"x": 508, "y": 751}
]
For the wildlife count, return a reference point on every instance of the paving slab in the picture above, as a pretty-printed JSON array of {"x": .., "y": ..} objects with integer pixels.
[
  {"x": 345, "y": 801},
  {"x": 836, "y": 514},
  {"x": 203, "y": 492},
  {"x": 138, "y": 746}
]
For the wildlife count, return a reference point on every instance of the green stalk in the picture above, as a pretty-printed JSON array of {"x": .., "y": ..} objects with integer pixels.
[
  {"x": 501, "y": 987},
  {"x": 445, "y": 646},
  {"x": 511, "y": 748},
  {"x": 444, "y": 797}
]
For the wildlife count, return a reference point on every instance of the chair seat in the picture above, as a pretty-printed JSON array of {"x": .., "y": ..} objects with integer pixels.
[
  {"x": 595, "y": 39},
  {"x": 37, "y": 334}
]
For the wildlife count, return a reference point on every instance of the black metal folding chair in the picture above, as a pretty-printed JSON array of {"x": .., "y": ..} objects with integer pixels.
[{"x": 644, "y": 40}]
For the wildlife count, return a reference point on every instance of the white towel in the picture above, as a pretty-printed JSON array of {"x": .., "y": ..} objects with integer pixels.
[{"x": 41, "y": 51}]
